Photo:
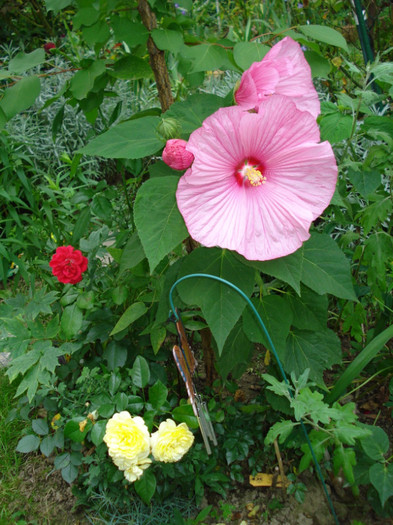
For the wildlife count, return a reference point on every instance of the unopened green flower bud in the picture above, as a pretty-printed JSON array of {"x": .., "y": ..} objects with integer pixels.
[{"x": 169, "y": 128}]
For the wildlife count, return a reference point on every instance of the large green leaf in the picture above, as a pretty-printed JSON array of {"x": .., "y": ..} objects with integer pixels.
[
  {"x": 24, "y": 61},
  {"x": 115, "y": 355},
  {"x": 324, "y": 34},
  {"x": 21, "y": 96},
  {"x": 96, "y": 34},
  {"x": 160, "y": 226},
  {"x": 98, "y": 432},
  {"x": 376, "y": 444},
  {"x": 132, "y": 33},
  {"x": 185, "y": 414},
  {"x": 167, "y": 40},
  {"x": 132, "y": 253},
  {"x": 365, "y": 182},
  {"x": 29, "y": 383},
  {"x": 221, "y": 306},
  {"x": 133, "y": 139},
  {"x": 378, "y": 123},
  {"x": 28, "y": 444},
  {"x": 246, "y": 53},
  {"x": 236, "y": 354},
  {"x": 57, "y": 5},
  {"x": 310, "y": 349},
  {"x": 82, "y": 82},
  {"x": 85, "y": 16},
  {"x": 140, "y": 372},
  {"x": 47, "y": 446},
  {"x": 310, "y": 310},
  {"x": 71, "y": 321},
  {"x": 69, "y": 473},
  {"x": 376, "y": 212},
  {"x": 378, "y": 251},
  {"x": 381, "y": 476},
  {"x": 287, "y": 269},
  {"x": 276, "y": 314},
  {"x": 21, "y": 364},
  {"x": 133, "y": 312},
  {"x": 205, "y": 57},
  {"x": 282, "y": 429},
  {"x": 40, "y": 427},
  {"x": 81, "y": 227},
  {"x": 345, "y": 458},
  {"x": 325, "y": 267},
  {"x": 73, "y": 431},
  {"x": 335, "y": 127},
  {"x": 320, "y": 66},
  {"x": 146, "y": 486},
  {"x": 192, "y": 112},
  {"x": 131, "y": 67},
  {"x": 158, "y": 394}
]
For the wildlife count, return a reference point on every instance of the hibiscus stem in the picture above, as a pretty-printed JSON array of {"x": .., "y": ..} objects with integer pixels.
[
  {"x": 124, "y": 180},
  {"x": 157, "y": 57}
]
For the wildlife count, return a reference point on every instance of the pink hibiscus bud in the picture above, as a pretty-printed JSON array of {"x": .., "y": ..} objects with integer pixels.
[
  {"x": 176, "y": 156},
  {"x": 48, "y": 46},
  {"x": 282, "y": 71}
]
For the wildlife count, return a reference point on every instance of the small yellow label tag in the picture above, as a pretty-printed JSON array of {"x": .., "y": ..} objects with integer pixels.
[{"x": 267, "y": 480}]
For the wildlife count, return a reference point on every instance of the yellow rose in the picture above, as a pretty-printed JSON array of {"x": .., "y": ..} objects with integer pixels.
[
  {"x": 127, "y": 439},
  {"x": 135, "y": 471},
  {"x": 171, "y": 442}
]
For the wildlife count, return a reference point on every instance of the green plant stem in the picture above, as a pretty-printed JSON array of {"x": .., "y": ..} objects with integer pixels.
[
  {"x": 343, "y": 70},
  {"x": 365, "y": 382},
  {"x": 355, "y": 119},
  {"x": 124, "y": 181},
  {"x": 383, "y": 304}
]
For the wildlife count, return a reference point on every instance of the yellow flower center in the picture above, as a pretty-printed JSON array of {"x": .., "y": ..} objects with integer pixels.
[{"x": 254, "y": 176}]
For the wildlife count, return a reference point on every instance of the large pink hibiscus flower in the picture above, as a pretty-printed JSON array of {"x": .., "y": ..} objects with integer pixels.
[
  {"x": 283, "y": 71},
  {"x": 258, "y": 179}
]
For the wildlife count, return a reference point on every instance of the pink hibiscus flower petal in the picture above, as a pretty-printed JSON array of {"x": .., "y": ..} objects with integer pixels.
[
  {"x": 282, "y": 71},
  {"x": 248, "y": 96},
  {"x": 259, "y": 196}
]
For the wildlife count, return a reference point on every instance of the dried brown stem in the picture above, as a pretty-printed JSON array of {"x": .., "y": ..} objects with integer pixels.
[{"x": 208, "y": 356}]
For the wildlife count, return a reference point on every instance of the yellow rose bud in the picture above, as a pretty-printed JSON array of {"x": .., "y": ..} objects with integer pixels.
[{"x": 171, "y": 442}]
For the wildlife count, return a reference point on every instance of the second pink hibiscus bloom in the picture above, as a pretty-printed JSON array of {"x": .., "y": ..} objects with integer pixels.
[{"x": 283, "y": 71}]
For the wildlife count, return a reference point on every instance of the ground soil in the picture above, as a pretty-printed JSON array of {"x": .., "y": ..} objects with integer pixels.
[{"x": 49, "y": 500}]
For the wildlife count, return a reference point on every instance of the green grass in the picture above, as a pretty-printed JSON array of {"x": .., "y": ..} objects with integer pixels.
[{"x": 10, "y": 461}]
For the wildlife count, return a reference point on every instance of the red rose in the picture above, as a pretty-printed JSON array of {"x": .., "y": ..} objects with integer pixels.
[
  {"x": 68, "y": 264},
  {"x": 48, "y": 46}
]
